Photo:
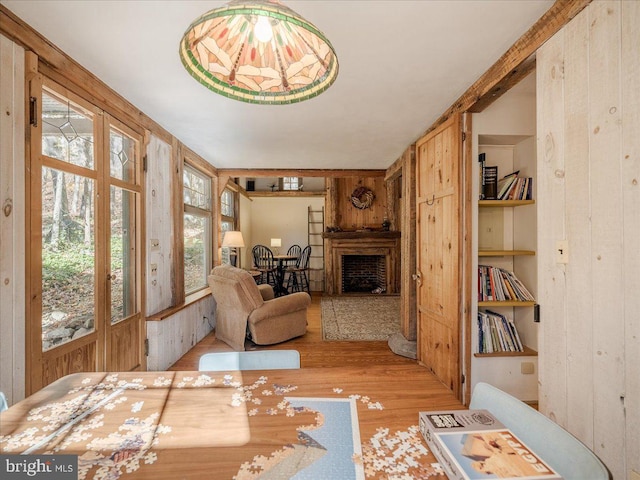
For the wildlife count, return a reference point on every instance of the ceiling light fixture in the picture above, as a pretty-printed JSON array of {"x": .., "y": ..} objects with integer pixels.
[{"x": 259, "y": 51}]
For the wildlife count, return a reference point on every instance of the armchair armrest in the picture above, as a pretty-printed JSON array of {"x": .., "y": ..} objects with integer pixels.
[
  {"x": 266, "y": 291},
  {"x": 280, "y": 306}
]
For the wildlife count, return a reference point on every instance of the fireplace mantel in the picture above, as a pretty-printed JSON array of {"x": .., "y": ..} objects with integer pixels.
[
  {"x": 365, "y": 242},
  {"x": 362, "y": 234}
]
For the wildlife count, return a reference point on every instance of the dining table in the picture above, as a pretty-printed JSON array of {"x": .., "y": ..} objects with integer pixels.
[
  {"x": 309, "y": 423},
  {"x": 282, "y": 260}
]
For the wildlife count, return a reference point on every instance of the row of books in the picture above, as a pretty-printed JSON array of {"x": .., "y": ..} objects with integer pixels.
[
  {"x": 473, "y": 444},
  {"x": 498, "y": 284},
  {"x": 513, "y": 187},
  {"x": 497, "y": 333}
]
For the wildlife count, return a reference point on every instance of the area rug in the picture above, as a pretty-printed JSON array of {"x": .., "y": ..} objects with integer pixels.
[{"x": 360, "y": 318}]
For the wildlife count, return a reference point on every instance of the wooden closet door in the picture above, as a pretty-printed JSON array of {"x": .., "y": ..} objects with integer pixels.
[{"x": 439, "y": 251}]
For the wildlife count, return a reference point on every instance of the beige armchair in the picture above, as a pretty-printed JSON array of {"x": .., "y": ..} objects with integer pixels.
[{"x": 242, "y": 308}]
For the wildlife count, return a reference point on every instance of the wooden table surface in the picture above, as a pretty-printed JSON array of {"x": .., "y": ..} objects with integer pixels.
[{"x": 224, "y": 425}]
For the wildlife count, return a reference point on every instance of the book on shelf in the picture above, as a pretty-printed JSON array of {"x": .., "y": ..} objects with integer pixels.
[
  {"x": 473, "y": 444},
  {"x": 482, "y": 159},
  {"x": 497, "y": 333},
  {"x": 504, "y": 184},
  {"x": 498, "y": 284},
  {"x": 490, "y": 182},
  {"x": 519, "y": 188}
]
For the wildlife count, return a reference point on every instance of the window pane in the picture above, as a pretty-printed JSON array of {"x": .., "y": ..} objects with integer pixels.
[
  {"x": 67, "y": 133},
  {"x": 123, "y": 254},
  {"x": 122, "y": 156},
  {"x": 68, "y": 251},
  {"x": 196, "y": 259},
  {"x": 226, "y": 203},
  {"x": 290, "y": 183},
  {"x": 225, "y": 252},
  {"x": 197, "y": 189}
]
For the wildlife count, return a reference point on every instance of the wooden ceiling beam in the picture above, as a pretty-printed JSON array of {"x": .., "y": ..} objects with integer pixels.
[{"x": 275, "y": 172}]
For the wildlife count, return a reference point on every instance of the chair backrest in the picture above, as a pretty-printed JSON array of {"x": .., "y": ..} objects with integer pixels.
[
  {"x": 263, "y": 257},
  {"x": 294, "y": 250},
  {"x": 303, "y": 259},
  {"x": 562, "y": 451},
  {"x": 252, "y": 360},
  {"x": 3, "y": 402}
]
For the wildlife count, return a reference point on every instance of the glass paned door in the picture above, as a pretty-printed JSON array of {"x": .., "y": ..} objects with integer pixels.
[
  {"x": 84, "y": 260},
  {"x": 124, "y": 330}
]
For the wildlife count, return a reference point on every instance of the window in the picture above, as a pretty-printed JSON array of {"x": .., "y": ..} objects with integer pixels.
[
  {"x": 228, "y": 218},
  {"x": 290, "y": 183},
  {"x": 197, "y": 228}
]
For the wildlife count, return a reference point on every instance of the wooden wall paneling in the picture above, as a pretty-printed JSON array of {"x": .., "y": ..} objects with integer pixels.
[
  {"x": 606, "y": 229},
  {"x": 64, "y": 361},
  {"x": 123, "y": 353},
  {"x": 579, "y": 340},
  {"x": 352, "y": 218},
  {"x": 177, "y": 215},
  {"x": 407, "y": 224},
  {"x": 172, "y": 337},
  {"x": 33, "y": 233},
  {"x": 551, "y": 200},
  {"x": 393, "y": 190},
  {"x": 12, "y": 220},
  {"x": 465, "y": 234},
  {"x": 630, "y": 82},
  {"x": 159, "y": 224}
]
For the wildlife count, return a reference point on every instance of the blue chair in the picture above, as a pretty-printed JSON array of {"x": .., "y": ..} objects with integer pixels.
[
  {"x": 562, "y": 451},
  {"x": 251, "y": 360},
  {"x": 3, "y": 402}
]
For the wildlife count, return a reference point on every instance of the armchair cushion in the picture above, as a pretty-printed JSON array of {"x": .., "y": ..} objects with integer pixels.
[{"x": 243, "y": 307}]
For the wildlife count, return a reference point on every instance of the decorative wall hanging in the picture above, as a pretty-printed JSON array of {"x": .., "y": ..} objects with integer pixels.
[
  {"x": 259, "y": 51},
  {"x": 362, "y": 198}
]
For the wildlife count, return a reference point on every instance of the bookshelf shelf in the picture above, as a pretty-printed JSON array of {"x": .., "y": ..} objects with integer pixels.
[
  {"x": 504, "y": 203},
  {"x": 509, "y": 303},
  {"x": 528, "y": 352},
  {"x": 504, "y": 253}
]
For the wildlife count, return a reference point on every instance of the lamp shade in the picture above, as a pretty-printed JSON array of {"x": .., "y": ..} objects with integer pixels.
[
  {"x": 259, "y": 51},
  {"x": 276, "y": 242},
  {"x": 233, "y": 239}
]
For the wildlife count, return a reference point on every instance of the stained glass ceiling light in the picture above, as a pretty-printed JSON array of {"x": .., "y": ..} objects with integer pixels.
[{"x": 259, "y": 51}]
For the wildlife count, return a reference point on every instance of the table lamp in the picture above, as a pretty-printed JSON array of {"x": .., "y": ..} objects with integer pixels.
[
  {"x": 233, "y": 240},
  {"x": 275, "y": 244}
]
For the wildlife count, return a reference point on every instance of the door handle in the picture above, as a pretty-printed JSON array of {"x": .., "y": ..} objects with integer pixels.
[
  {"x": 111, "y": 276},
  {"x": 417, "y": 278}
]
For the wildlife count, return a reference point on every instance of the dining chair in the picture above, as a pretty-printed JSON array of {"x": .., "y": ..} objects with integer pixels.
[
  {"x": 562, "y": 451},
  {"x": 265, "y": 264},
  {"x": 298, "y": 280},
  {"x": 251, "y": 360}
]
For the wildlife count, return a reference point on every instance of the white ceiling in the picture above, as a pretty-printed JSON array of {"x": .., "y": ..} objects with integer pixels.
[{"x": 402, "y": 64}]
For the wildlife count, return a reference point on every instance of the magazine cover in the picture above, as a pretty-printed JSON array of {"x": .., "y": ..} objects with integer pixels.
[{"x": 473, "y": 444}]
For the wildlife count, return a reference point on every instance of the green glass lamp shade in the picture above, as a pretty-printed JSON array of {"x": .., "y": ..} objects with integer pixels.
[{"x": 259, "y": 52}]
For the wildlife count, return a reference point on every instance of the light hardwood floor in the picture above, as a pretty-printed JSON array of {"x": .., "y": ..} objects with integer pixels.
[{"x": 314, "y": 352}]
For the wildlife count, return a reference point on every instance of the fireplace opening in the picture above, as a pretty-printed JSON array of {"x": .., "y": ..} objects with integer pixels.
[{"x": 363, "y": 273}]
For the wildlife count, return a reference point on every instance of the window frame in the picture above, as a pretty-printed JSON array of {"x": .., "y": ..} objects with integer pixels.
[{"x": 187, "y": 209}]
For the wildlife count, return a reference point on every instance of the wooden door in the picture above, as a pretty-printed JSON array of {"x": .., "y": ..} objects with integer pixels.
[
  {"x": 439, "y": 251},
  {"x": 84, "y": 263}
]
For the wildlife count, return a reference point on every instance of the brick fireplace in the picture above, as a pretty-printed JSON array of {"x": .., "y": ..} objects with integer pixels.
[
  {"x": 359, "y": 262},
  {"x": 363, "y": 273}
]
